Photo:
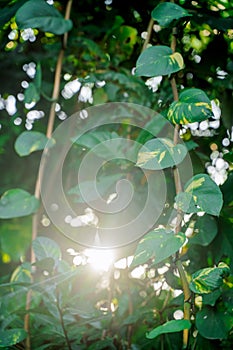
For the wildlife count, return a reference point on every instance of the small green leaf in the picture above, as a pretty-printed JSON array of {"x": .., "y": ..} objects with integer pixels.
[
  {"x": 208, "y": 279},
  {"x": 169, "y": 327},
  {"x": 158, "y": 244},
  {"x": 160, "y": 153},
  {"x": 193, "y": 106},
  {"x": 10, "y": 337},
  {"x": 166, "y": 12},
  {"x": 16, "y": 202},
  {"x": 201, "y": 194},
  {"x": 39, "y": 14},
  {"x": 205, "y": 230},
  {"x": 31, "y": 141},
  {"x": 158, "y": 60},
  {"x": 213, "y": 323},
  {"x": 46, "y": 248}
]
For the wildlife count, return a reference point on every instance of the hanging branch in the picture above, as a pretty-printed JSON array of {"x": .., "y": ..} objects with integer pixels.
[
  {"x": 149, "y": 32},
  {"x": 50, "y": 125},
  {"x": 179, "y": 217}
]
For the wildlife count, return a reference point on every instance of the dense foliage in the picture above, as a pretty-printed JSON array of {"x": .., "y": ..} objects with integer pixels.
[{"x": 158, "y": 77}]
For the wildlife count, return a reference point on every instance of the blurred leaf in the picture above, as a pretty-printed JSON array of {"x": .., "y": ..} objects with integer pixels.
[
  {"x": 158, "y": 244},
  {"x": 22, "y": 273},
  {"x": 208, "y": 279},
  {"x": 169, "y": 327},
  {"x": 31, "y": 141},
  {"x": 46, "y": 248},
  {"x": 193, "y": 106},
  {"x": 201, "y": 194},
  {"x": 213, "y": 324},
  {"x": 9, "y": 11},
  {"x": 15, "y": 237},
  {"x": 105, "y": 144},
  {"x": 211, "y": 298},
  {"x": 39, "y": 14},
  {"x": 94, "y": 189},
  {"x": 205, "y": 230},
  {"x": 10, "y": 337},
  {"x": 16, "y": 203},
  {"x": 160, "y": 153},
  {"x": 158, "y": 60},
  {"x": 165, "y": 13}
]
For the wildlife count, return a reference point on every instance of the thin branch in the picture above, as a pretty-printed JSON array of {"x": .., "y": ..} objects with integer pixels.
[
  {"x": 149, "y": 32},
  {"x": 179, "y": 216},
  {"x": 62, "y": 323},
  {"x": 52, "y": 114}
]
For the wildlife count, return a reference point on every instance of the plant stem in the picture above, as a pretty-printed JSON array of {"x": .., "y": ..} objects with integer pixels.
[
  {"x": 149, "y": 31},
  {"x": 179, "y": 216},
  {"x": 52, "y": 114},
  {"x": 63, "y": 324}
]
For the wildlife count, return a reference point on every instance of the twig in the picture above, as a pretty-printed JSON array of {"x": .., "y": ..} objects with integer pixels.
[
  {"x": 52, "y": 114},
  {"x": 179, "y": 216},
  {"x": 62, "y": 323},
  {"x": 149, "y": 31}
]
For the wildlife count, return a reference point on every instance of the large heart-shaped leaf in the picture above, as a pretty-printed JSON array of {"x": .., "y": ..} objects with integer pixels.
[
  {"x": 16, "y": 202},
  {"x": 201, "y": 194},
  {"x": 166, "y": 12},
  {"x": 205, "y": 230},
  {"x": 169, "y": 327},
  {"x": 31, "y": 141},
  {"x": 214, "y": 324},
  {"x": 45, "y": 247},
  {"x": 208, "y": 279},
  {"x": 193, "y": 106},
  {"x": 41, "y": 15},
  {"x": 10, "y": 337},
  {"x": 160, "y": 153},
  {"x": 158, "y": 60},
  {"x": 158, "y": 244}
]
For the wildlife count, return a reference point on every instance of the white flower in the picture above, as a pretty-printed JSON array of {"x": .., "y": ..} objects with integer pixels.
[
  {"x": 153, "y": 83},
  {"x": 86, "y": 94},
  {"x": 71, "y": 88},
  {"x": 216, "y": 110},
  {"x": 144, "y": 35},
  {"x": 10, "y": 105},
  {"x": 28, "y": 34},
  {"x": 89, "y": 218},
  {"x": 156, "y": 28}
]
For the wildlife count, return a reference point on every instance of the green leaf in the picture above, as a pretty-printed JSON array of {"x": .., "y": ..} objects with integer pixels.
[
  {"x": 9, "y": 11},
  {"x": 205, "y": 230},
  {"x": 201, "y": 194},
  {"x": 46, "y": 248},
  {"x": 166, "y": 12},
  {"x": 158, "y": 244},
  {"x": 208, "y": 279},
  {"x": 158, "y": 60},
  {"x": 193, "y": 106},
  {"x": 213, "y": 324},
  {"x": 31, "y": 141},
  {"x": 39, "y": 14},
  {"x": 22, "y": 273},
  {"x": 169, "y": 327},
  {"x": 160, "y": 153},
  {"x": 103, "y": 186},
  {"x": 16, "y": 202},
  {"x": 12, "y": 336},
  {"x": 105, "y": 144}
]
